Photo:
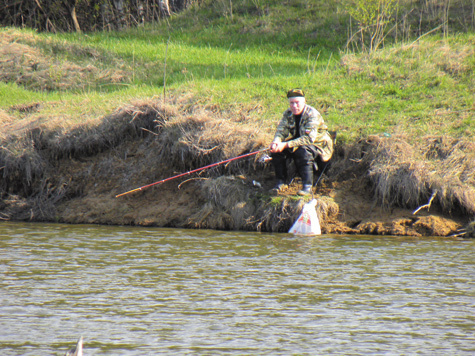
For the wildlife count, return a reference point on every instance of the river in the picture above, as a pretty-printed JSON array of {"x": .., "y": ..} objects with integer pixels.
[{"x": 154, "y": 291}]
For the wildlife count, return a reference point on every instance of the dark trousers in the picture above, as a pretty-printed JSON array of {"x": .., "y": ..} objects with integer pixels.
[{"x": 303, "y": 157}]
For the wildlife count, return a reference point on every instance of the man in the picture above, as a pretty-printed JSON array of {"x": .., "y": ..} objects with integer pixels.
[{"x": 302, "y": 136}]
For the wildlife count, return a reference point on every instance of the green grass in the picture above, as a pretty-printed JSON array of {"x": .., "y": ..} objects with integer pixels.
[
  {"x": 12, "y": 94},
  {"x": 250, "y": 58}
]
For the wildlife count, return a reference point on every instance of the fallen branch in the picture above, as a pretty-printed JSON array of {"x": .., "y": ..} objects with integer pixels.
[
  {"x": 459, "y": 233},
  {"x": 426, "y": 205}
]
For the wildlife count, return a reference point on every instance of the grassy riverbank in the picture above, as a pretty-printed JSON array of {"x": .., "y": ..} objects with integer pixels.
[
  {"x": 246, "y": 62},
  {"x": 236, "y": 65}
]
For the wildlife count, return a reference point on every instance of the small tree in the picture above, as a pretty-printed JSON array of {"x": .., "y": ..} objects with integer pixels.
[{"x": 373, "y": 17}]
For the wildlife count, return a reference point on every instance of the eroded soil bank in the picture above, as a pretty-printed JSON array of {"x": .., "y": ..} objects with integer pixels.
[{"x": 374, "y": 186}]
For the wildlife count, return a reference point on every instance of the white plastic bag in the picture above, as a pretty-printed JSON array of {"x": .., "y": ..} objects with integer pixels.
[{"x": 308, "y": 222}]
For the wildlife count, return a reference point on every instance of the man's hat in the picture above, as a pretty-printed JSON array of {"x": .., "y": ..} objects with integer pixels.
[{"x": 295, "y": 92}]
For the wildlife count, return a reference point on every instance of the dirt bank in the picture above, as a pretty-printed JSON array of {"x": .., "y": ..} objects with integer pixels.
[{"x": 73, "y": 174}]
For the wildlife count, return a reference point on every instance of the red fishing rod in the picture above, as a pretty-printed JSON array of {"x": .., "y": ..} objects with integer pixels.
[{"x": 193, "y": 171}]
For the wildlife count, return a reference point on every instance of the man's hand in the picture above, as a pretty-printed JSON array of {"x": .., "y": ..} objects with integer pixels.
[{"x": 276, "y": 147}]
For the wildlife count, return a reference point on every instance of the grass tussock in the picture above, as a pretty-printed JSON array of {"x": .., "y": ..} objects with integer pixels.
[
  {"x": 404, "y": 62},
  {"x": 29, "y": 66},
  {"x": 436, "y": 170},
  {"x": 234, "y": 203},
  {"x": 327, "y": 209},
  {"x": 202, "y": 137},
  {"x": 30, "y": 150},
  {"x": 278, "y": 216},
  {"x": 228, "y": 204},
  {"x": 178, "y": 137}
]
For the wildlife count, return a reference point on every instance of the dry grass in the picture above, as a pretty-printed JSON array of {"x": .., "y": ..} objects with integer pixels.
[
  {"x": 327, "y": 209},
  {"x": 399, "y": 178},
  {"x": 201, "y": 137},
  {"x": 5, "y": 120},
  {"x": 29, "y": 150},
  {"x": 181, "y": 138},
  {"x": 453, "y": 179},
  {"x": 229, "y": 202},
  {"x": 404, "y": 175},
  {"x": 234, "y": 204},
  {"x": 178, "y": 137},
  {"x": 440, "y": 58},
  {"x": 27, "y": 65},
  {"x": 278, "y": 217}
]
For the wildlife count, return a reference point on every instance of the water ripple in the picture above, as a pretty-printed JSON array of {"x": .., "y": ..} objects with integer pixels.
[{"x": 135, "y": 291}]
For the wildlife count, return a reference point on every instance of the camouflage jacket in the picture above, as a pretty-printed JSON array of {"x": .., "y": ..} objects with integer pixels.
[{"x": 312, "y": 131}]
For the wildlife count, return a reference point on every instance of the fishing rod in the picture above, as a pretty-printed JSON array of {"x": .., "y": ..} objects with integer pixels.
[{"x": 192, "y": 171}]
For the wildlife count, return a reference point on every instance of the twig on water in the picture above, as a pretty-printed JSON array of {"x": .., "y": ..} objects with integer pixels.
[{"x": 459, "y": 233}]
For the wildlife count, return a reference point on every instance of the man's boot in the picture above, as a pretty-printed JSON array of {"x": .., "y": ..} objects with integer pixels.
[
  {"x": 306, "y": 190},
  {"x": 306, "y": 173},
  {"x": 279, "y": 186}
]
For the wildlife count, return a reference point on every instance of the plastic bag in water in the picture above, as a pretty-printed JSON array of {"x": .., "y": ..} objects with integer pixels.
[{"x": 308, "y": 222}]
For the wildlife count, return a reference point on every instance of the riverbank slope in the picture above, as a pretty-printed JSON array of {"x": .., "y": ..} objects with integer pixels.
[
  {"x": 87, "y": 117},
  {"x": 377, "y": 185}
]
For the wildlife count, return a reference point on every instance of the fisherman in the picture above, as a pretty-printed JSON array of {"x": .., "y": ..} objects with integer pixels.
[{"x": 302, "y": 136}]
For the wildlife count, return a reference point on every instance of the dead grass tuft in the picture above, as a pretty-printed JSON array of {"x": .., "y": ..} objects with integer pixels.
[
  {"x": 441, "y": 58},
  {"x": 398, "y": 178},
  {"x": 32, "y": 68},
  {"x": 190, "y": 141},
  {"x": 408, "y": 176},
  {"x": 278, "y": 217},
  {"x": 327, "y": 209},
  {"x": 453, "y": 180},
  {"x": 5, "y": 119},
  {"x": 30, "y": 150},
  {"x": 228, "y": 204}
]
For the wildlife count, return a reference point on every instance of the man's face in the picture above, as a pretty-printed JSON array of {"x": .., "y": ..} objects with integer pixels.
[{"x": 297, "y": 104}]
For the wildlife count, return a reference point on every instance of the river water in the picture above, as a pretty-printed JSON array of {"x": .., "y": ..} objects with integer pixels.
[{"x": 150, "y": 291}]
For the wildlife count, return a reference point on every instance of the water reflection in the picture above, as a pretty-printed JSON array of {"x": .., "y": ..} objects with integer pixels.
[{"x": 136, "y": 291}]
